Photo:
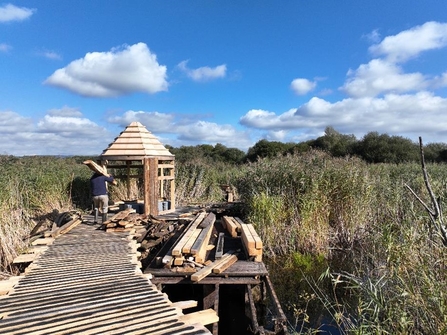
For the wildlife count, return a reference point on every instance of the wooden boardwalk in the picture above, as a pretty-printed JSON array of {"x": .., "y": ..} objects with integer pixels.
[{"x": 89, "y": 282}]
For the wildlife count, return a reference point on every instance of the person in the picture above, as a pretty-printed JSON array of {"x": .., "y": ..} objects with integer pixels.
[{"x": 99, "y": 192}]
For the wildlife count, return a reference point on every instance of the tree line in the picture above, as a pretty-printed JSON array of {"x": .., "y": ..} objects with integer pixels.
[{"x": 372, "y": 148}]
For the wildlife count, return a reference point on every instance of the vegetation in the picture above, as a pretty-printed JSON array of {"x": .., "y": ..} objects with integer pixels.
[{"x": 346, "y": 241}]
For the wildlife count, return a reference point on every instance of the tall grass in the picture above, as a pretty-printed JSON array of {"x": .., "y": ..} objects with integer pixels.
[
  {"x": 383, "y": 265},
  {"x": 33, "y": 189}
]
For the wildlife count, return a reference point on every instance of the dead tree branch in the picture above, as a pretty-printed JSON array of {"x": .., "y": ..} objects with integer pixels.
[{"x": 435, "y": 212}]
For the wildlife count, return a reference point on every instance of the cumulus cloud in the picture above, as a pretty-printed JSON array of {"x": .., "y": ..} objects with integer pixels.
[
  {"x": 61, "y": 131},
  {"x": 11, "y": 122},
  {"x": 118, "y": 72},
  {"x": 380, "y": 76},
  {"x": 410, "y": 43},
  {"x": 186, "y": 129},
  {"x": 154, "y": 121},
  {"x": 302, "y": 86},
  {"x": 204, "y": 73},
  {"x": 393, "y": 114},
  {"x": 9, "y": 13},
  {"x": 5, "y": 47}
]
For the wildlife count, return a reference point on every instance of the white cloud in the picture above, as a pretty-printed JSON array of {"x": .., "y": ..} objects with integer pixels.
[
  {"x": 302, "y": 86},
  {"x": 205, "y": 73},
  {"x": 11, "y": 122},
  {"x": 379, "y": 76},
  {"x": 65, "y": 112},
  {"x": 411, "y": 115},
  {"x": 5, "y": 47},
  {"x": 60, "y": 132},
  {"x": 373, "y": 36},
  {"x": 51, "y": 55},
  {"x": 410, "y": 43},
  {"x": 155, "y": 122},
  {"x": 118, "y": 72},
  {"x": 9, "y": 13}
]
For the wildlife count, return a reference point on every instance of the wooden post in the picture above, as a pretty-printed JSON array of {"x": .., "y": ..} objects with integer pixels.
[
  {"x": 128, "y": 163},
  {"x": 150, "y": 186},
  {"x": 172, "y": 181}
]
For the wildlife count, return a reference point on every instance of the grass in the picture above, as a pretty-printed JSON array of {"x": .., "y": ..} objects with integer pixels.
[{"x": 383, "y": 265}]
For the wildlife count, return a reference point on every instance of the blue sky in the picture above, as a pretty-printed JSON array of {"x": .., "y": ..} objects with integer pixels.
[{"x": 74, "y": 74}]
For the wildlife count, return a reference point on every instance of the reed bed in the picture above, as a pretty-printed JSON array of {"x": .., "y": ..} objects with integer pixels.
[{"x": 346, "y": 244}]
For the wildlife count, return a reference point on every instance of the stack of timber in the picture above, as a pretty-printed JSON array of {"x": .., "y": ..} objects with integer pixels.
[
  {"x": 251, "y": 240},
  {"x": 198, "y": 250}
]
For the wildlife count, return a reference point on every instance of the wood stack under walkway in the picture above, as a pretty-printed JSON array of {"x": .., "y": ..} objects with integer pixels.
[{"x": 88, "y": 282}]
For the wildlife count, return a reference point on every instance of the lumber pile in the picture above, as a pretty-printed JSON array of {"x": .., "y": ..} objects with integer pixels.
[{"x": 194, "y": 242}]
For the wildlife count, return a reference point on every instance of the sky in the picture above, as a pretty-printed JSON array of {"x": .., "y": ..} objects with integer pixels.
[{"x": 74, "y": 74}]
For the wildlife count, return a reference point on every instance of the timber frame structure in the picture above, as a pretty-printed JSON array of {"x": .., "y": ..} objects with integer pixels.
[{"x": 137, "y": 154}]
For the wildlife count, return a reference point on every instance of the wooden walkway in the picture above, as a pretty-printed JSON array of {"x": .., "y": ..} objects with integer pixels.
[{"x": 88, "y": 282}]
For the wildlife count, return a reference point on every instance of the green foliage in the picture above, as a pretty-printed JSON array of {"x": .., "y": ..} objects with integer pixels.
[
  {"x": 218, "y": 153},
  {"x": 375, "y": 148},
  {"x": 264, "y": 148}
]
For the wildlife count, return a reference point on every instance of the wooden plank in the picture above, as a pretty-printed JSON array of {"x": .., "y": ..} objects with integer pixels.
[
  {"x": 220, "y": 246},
  {"x": 177, "y": 248},
  {"x": 225, "y": 264},
  {"x": 230, "y": 226},
  {"x": 188, "y": 245},
  {"x": 205, "y": 317},
  {"x": 43, "y": 241},
  {"x": 247, "y": 238},
  {"x": 205, "y": 271},
  {"x": 96, "y": 167},
  {"x": 185, "y": 304},
  {"x": 25, "y": 258},
  {"x": 200, "y": 247},
  {"x": 66, "y": 227},
  {"x": 258, "y": 241},
  {"x": 210, "y": 219}
]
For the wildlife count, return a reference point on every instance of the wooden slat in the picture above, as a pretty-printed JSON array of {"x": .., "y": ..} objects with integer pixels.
[
  {"x": 225, "y": 264},
  {"x": 205, "y": 317},
  {"x": 200, "y": 247},
  {"x": 220, "y": 246},
  {"x": 177, "y": 248},
  {"x": 231, "y": 225},
  {"x": 205, "y": 271}
]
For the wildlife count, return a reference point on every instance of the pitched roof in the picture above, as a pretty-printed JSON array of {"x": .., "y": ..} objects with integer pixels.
[{"x": 135, "y": 141}]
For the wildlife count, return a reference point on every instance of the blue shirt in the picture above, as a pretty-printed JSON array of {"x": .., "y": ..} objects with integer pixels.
[{"x": 98, "y": 184}]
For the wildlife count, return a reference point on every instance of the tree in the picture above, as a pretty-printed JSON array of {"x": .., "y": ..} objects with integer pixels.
[
  {"x": 264, "y": 148},
  {"x": 337, "y": 144}
]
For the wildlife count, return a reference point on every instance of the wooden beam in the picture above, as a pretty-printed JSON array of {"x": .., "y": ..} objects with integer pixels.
[
  {"x": 199, "y": 247},
  {"x": 205, "y": 271},
  {"x": 66, "y": 227},
  {"x": 185, "y": 304},
  {"x": 220, "y": 246},
  {"x": 205, "y": 317},
  {"x": 177, "y": 248}
]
